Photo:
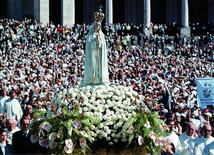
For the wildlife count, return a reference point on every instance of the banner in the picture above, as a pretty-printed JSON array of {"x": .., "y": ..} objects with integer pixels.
[{"x": 205, "y": 92}]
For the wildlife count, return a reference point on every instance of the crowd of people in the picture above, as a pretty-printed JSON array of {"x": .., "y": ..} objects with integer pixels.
[{"x": 38, "y": 60}]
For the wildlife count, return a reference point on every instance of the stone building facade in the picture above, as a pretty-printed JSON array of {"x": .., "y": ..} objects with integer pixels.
[{"x": 68, "y": 12}]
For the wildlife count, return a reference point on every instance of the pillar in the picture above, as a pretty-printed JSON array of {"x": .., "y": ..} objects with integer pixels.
[
  {"x": 147, "y": 12},
  {"x": 109, "y": 12},
  {"x": 185, "y": 29},
  {"x": 41, "y": 11},
  {"x": 68, "y": 12},
  {"x": 147, "y": 17},
  {"x": 185, "y": 13}
]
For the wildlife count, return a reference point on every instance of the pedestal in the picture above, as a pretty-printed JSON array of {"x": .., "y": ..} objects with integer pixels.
[{"x": 185, "y": 31}]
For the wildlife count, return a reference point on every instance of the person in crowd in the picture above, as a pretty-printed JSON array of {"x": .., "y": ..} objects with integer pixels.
[
  {"x": 5, "y": 147},
  {"x": 21, "y": 139},
  {"x": 187, "y": 139},
  {"x": 162, "y": 67},
  {"x": 3, "y": 98},
  {"x": 29, "y": 110},
  {"x": 209, "y": 149},
  {"x": 2, "y": 120},
  {"x": 12, "y": 107},
  {"x": 176, "y": 118},
  {"x": 173, "y": 137},
  {"x": 202, "y": 142},
  {"x": 24, "y": 100},
  {"x": 11, "y": 128},
  {"x": 170, "y": 150}
]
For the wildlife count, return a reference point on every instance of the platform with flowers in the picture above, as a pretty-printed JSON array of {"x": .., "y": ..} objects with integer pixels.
[{"x": 99, "y": 119}]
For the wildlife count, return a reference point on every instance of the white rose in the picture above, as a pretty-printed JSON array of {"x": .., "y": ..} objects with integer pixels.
[
  {"x": 113, "y": 134},
  {"x": 105, "y": 135},
  {"x": 115, "y": 126},
  {"x": 128, "y": 100},
  {"x": 106, "y": 128},
  {"x": 106, "y": 106},
  {"x": 88, "y": 94},
  {"x": 119, "y": 116},
  {"x": 115, "y": 140},
  {"x": 100, "y": 136},
  {"x": 101, "y": 125},
  {"x": 92, "y": 127},
  {"x": 85, "y": 109},
  {"x": 108, "y": 138},
  {"x": 108, "y": 131},
  {"x": 80, "y": 111},
  {"x": 124, "y": 139},
  {"x": 118, "y": 136},
  {"x": 105, "y": 117}
]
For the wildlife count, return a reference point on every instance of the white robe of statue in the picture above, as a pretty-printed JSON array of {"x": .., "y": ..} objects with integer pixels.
[{"x": 96, "y": 61}]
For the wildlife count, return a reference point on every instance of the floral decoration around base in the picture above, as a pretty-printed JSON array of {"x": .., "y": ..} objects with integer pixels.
[{"x": 82, "y": 116}]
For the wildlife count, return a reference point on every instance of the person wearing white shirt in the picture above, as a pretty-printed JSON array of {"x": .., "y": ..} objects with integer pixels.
[
  {"x": 187, "y": 139},
  {"x": 3, "y": 98},
  {"x": 10, "y": 129},
  {"x": 5, "y": 148},
  {"x": 173, "y": 137},
  {"x": 13, "y": 108},
  {"x": 209, "y": 149},
  {"x": 203, "y": 142}
]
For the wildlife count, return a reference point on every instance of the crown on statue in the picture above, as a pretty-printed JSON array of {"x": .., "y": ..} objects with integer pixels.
[{"x": 99, "y": 16}]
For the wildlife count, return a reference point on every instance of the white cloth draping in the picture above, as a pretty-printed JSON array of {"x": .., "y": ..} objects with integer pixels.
[{"x": 96, "y": 61}]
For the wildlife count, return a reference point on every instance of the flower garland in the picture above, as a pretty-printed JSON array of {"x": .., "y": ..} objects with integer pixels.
[{"x": 80, "y": 116}]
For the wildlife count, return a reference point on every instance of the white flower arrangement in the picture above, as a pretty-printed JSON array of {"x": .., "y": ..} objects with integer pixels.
[{"x": 112, "y": 113}]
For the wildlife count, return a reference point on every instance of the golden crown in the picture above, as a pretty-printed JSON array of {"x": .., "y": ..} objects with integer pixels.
[{"x": 99, "y": 16}]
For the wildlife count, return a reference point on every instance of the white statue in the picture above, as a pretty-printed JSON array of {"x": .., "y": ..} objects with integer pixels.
[{"x": 96, "y": 61}]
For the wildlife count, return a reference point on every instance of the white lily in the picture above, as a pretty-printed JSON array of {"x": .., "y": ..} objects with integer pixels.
[
  {"x": 34, "y": 138},
  {"x": 140, "y": 140},
  {"x": 43, "y": 142},
  {"x": 52, "y": 136},
  {"x": 69, "y": 143},
  {"x": 52, "y": 145},
  {"x": 82, "y": 142}
]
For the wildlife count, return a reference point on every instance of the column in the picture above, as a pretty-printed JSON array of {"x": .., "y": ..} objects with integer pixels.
[
  {"x": 41, "y": 11},
  {"x": 109, "y": 12},
  {"x": 147, "y": 17},
  {"x": 68, "y": 12},
  {"x": 185, "y": 29},
  {"x": 147, "y": 12},
  {"x": 185, "y": 13}
]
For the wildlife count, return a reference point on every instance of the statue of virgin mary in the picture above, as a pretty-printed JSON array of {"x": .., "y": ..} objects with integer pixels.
[{"x": 96, "y": 61}]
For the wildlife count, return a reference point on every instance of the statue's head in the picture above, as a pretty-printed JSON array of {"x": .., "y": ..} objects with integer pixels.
[{"x": 99, "y": 16}]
